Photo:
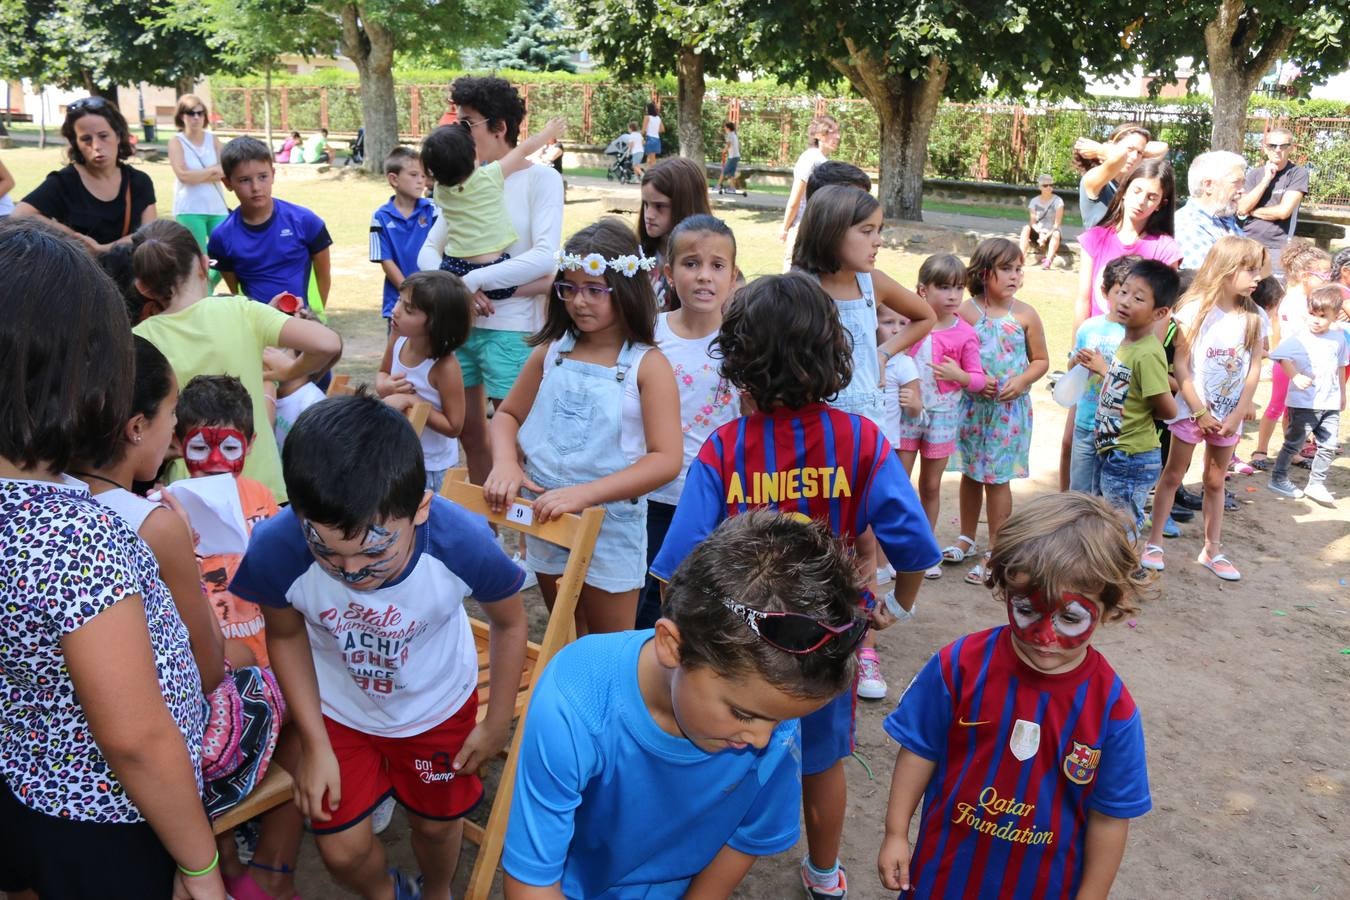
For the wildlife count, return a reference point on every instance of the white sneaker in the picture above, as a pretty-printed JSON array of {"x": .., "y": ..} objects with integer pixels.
[
  {"x": 886, "y": 574},
  {"x": 531, "y": 580},
  {"x": 1319, "y": 494},
  {"x": 871, "y": 684},
  {"x": 383, "y": 814}
]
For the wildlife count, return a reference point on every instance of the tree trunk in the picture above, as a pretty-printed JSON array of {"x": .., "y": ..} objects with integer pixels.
[
  {"x": 267, "y": 107},
  {"x": 186, "y": 85},
  {"x": 906, "y": 108},
  {"x": 689, "y": 66},
  {"x": 371, "y": 46},
  {"x": 1240, "y": 46}
]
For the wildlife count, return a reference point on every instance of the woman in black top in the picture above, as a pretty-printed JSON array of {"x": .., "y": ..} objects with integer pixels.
[{"x": 97, "y": 198}]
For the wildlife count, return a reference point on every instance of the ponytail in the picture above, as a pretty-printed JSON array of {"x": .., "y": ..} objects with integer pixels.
[{"x": 164, "y": 255}]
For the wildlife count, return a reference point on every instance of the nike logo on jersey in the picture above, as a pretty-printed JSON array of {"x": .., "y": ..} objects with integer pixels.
[{"x": 964, "y": 724}]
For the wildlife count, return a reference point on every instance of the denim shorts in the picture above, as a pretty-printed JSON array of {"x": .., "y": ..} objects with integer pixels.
[
  {"x": 619, "y": 562},
  {"x": 1085, "y": 464},
  {"x": 1126, "y": 479}
]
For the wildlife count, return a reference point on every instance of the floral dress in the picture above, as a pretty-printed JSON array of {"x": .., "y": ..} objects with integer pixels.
[{"x": 994, "y": 441}]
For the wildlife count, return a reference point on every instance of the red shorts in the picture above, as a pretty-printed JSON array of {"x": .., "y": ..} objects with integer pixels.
[{"x": 416, "y": 770}]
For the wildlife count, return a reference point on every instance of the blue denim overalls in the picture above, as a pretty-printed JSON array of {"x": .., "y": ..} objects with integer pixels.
[{"x": 862, "y": 395}]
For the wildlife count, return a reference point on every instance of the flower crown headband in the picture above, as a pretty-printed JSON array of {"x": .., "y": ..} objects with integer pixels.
[{"x": 597, "y": 265}]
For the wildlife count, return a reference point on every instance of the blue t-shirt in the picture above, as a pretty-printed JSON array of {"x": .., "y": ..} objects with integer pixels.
[
  {"x": 272, "y": 257},
  {"x": 1100, "y": 334},
  {"x": 614, "y": 807},
  {"x": 400, "y": 659},
  {"x": 398, "y": 238},
  {"x": 1022, "y": 758},
  {"x": 817, "y": 461}
]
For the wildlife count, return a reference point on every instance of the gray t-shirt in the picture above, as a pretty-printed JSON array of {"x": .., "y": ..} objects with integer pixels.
[
  {"x": 733, "y": 145},
  {"x": 1045, "y": 211},
  {"x": 1094, "y": 210},
  {"x": 1274, "y": 235},
  {"x": 1320, "y": 356}
]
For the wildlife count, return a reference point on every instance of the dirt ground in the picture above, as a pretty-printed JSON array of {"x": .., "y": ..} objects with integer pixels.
[{"x": 1242, "y": 687}]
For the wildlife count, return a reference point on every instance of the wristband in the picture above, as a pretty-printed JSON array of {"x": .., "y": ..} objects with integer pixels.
[
  {"x": 1199, "y": 414},
  {"x": 886, "y": 353},
  {"x": 215, "y": 861}
]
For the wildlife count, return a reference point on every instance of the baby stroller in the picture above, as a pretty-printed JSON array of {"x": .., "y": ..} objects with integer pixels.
[{"x": 621, "y": 170}]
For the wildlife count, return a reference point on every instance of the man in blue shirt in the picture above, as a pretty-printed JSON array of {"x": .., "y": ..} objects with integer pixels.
[
  {"x": 399, "y": 228},
  {"x": 1215, "y": 180},
  {"x": 267, "y": 246}
]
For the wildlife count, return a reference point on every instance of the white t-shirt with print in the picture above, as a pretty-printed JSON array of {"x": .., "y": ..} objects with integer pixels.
[
  {"x": 1321, "y": 356},
  {"x": 707, "y": 400},
  {"x": 900, "y": 370},
  {"x": 1219, "y": 358}
]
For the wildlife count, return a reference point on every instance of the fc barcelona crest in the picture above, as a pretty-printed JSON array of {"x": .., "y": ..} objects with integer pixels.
[{"x": 1080, "y": 764}]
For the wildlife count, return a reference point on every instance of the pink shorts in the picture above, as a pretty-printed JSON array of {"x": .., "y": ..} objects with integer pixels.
[
  {"x": 933, "y": 439},
  {"x": 1186, "y": 430}
]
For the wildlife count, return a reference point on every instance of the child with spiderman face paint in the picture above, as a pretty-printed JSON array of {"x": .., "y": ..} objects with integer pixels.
[{"x": 1001, "y": 720}]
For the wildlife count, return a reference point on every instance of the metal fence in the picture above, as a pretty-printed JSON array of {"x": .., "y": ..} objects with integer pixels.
[{"x": 976, "y": 142}]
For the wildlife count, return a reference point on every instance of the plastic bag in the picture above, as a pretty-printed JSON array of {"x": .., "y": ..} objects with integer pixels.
[{"x": 1070, "y": 389}]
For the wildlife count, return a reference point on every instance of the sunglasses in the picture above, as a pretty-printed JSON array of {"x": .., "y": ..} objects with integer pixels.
[
  {"x": 566, "y": 290},
  {"x": 194, "y": 112},
  {"x": 1278, "y": 146},
  {"x": 794, "y": 632},
  {"x": 88, "y": 103}
]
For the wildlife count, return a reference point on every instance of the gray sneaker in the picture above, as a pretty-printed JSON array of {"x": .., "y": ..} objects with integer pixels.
[
  {"x": 1284, "y": 488},
  {"x": 1319, "y": 494}
]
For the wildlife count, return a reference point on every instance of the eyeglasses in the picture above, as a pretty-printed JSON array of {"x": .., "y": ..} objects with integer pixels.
[
  {"x": 472, "y": 123},
  {"x": 88, "y": 103},
  {"x": 195, "y": 112},
  {"x": 797, "y": 633},
  {"x": 1279, "y": 146},
  {"x": 566, "y": 290},
  {"x": 1321, "y": 276}
]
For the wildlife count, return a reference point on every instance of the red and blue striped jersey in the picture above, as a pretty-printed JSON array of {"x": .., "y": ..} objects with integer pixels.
[
  {"x": 1022, "y": 757},
  {"x": 819, "y": 462}
]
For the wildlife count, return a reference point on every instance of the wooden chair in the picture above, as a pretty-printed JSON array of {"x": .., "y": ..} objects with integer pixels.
[
  {"x": 578, "y": 533},
  {"x": 275, "y": 789},
  {"x": 341, "y": 386}
]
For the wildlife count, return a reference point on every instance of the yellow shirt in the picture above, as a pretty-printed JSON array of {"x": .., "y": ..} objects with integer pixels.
[
  {"x": 225, "y": 336},
  {"x": 475, "y": 214}
]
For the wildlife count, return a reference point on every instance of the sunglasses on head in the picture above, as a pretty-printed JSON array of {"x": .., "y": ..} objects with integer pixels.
[
  {"x": 88, "y": 103},
  {"x": 796, "y": 633}
]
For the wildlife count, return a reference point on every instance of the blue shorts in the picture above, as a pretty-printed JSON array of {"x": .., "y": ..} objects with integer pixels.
[
  {"x": 1126, "y": 479},
  {"x": 461, "y": 267},
  {"x": 493, "y": 358},
  {"x": 827, "y": 734},
  {"x": 652, "y": 146},
  {"x": 729, "y": 167},
  {"x": 619, "y": 562}
]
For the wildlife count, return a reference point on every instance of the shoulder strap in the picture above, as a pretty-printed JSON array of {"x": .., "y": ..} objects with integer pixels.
[{"x": 126, "y": 196}]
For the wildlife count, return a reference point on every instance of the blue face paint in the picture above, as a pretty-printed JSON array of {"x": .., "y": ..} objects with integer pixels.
[{"x": 378, "y": 540}]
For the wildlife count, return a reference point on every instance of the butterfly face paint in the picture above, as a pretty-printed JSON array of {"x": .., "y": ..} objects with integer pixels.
[
  {"x": 374, "y": 551},
  {"x": 213, "y": 451},
  {"x": 1066, "y": 625}
]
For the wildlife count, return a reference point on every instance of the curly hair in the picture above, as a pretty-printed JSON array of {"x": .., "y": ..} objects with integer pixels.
[
  {"x": 782, "y": 343},
  {"x": 773, "y": 562},
  {"x": 1068, "y": 542},
  {"x": 493, "y": 98}
]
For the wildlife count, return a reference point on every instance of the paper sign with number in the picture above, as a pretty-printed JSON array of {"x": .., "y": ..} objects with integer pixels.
[{"x": 520, "y": 513}]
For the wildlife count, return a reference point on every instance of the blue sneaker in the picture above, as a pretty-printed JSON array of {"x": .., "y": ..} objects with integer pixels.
[
  {"x": 1171, "y": 529},
  {"x": 404, "y": 887}
]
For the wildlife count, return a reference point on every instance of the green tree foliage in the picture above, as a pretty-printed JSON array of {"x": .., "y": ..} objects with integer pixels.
[
  {"x": 660, "y": 37},
  {"x": 1241, "y": 41},
  {"x": 535, "y": 43},
  {"x": 904, "y": 57}
]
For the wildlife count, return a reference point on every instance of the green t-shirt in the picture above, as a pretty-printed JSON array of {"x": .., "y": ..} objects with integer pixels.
[
  {"x": 313, "y": 150},
  {"x": 225, "y": 336},
  {"x": 1124, "y": 416}
]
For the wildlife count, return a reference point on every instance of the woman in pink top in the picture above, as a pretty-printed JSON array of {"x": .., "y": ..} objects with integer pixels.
[{"x": 1138, "y": 222}]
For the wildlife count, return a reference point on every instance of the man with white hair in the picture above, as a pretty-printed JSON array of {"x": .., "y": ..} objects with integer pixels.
[
  {"x": 1272, "y": 195},
  {"x": 1215, "y": 180}
]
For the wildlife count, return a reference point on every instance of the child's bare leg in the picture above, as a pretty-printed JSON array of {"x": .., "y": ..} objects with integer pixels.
[
  {"x": 824, "y": 800},
  {"x": 1165, "y": 494},
  {"x": 605, "y": 612},
  {"x": 866, "y": 555},
  {"x": 1066, "y": 451},
  {"x": 282, "y": 830},
  {"x": 907, "y": 458},
  {"x": 357, "y": 861},
  {"x": 436, "y": 846},
  {"x": 1265, "y": 430},
  {"x": 1216, "y": 469},
  {"x": 998, "y": 501},
  {"x": 971, "y": 499},
  {"x": 930, "y": 488},
  {"x": 474, "y": 436}
]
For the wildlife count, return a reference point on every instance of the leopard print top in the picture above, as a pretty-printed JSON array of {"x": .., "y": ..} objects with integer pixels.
[{"x": 63, "y": 560}]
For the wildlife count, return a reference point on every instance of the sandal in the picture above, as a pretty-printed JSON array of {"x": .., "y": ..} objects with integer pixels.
[
  {"x": 978, "y": 571},
  {"x": 1264, "y": 464},
  {"x": 1237, "y": 466},
  {"x": 1220, "y": 565},
  {"x": 1152, "y": 558},
  {"x": 933, "y": 572},
  {"x": 953, "y": 555},
  {"x": 243, "y": 887}
]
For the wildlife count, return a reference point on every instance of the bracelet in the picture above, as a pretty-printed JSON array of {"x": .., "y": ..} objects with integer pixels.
[
  {"x": 886, "y": 353},
  {"x": 1199, "y": 414},
  {"x": 215, "y": 861}
]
